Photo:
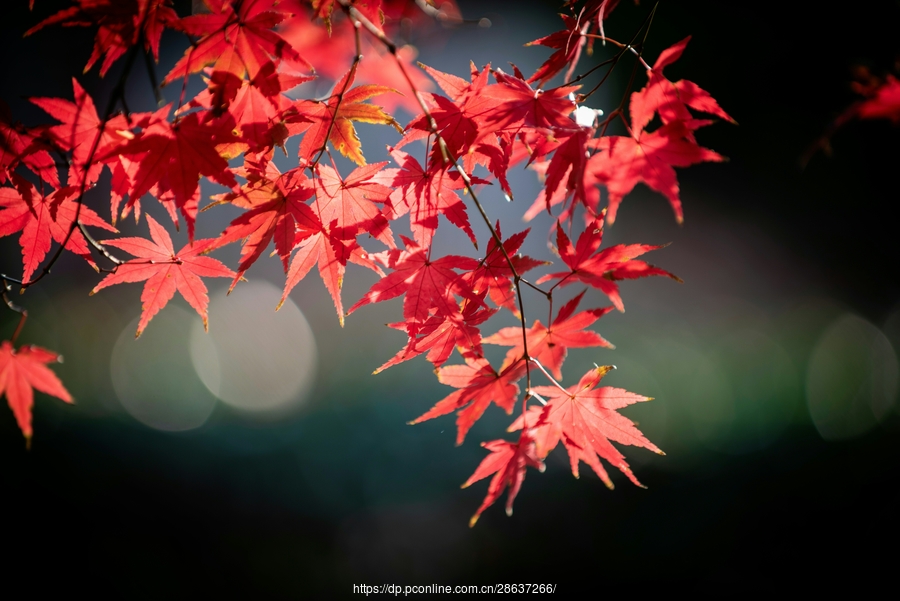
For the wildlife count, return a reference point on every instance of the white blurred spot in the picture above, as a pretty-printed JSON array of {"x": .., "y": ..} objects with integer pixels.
[
  {"x": 153, "y": 377},
  {"x": 586, "y": 117},
  {"x": 254, "y": 358},
  {"x": 851, "y": 380}
]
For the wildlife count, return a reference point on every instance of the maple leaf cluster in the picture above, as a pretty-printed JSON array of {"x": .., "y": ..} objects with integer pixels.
[{"x": 251, "y": 54}]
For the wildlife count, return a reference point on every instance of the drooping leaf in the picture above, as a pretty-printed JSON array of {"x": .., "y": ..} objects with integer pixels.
[
  {"x": 507, "y": 462},
  {"x": 21, "y": 372},
  {"x": 494, "y": 274},
  {"x": 331, "y": 253},
  {"x": 624, "y": 161},
  {"x": 585, "y": 419},
  {"x": 670, "y": 99},
  {"x": 478, "y": 384},
  {"x": 353, "y": 202},
  {"x": 568, "y": 44},
  {"x": 519, "y": 103}
]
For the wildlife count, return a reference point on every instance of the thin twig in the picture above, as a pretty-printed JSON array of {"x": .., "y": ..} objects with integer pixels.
[
  {"x": 100, "y": 248},
  {"x": 645, "y": 27},
  {"x": 591, "y": 70},
  {"x": 627, "y": 47}
]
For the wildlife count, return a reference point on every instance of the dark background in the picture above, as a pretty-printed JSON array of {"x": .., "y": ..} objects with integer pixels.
[{"x": 349, "y": 494}]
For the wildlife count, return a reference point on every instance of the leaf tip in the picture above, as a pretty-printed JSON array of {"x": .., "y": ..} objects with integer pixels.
[{"x": 473, "y": 520}]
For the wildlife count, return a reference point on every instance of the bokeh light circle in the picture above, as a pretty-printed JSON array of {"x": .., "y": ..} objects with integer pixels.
[
  {"x": 254, "y": 358},
  {"x": 153, "y": 377},
  {"x": 851, "y": 379}
]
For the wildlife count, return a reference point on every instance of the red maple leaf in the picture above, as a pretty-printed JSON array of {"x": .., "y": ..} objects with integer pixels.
[
  {"x": 331, "y": 253},
  {"x": 425, "y": 194},
  {"x": 550, "y": 345},
  {"x": 44, "y": 218},
  {"x": 522, "y": 104},
  {"x": 440, "y": 334},
  {"x": 585, "y": 419},
  {"x": 624, "y": 161},
  {"x": 18, "y": 145},
  {"x": 277, "y": 209},
  {"x": 236, "y": 39},
  {"x": 569, "y": 168},
  {"x": 493, "y": 272},
  {"x": 352, "y": 202},
  {"x": 884, "y": 102},
  {"x": 79, "y": 131},
  {"x": 23, "y": 370},
  {"x": 478, "y": 384},
  {"x": 459, "y": 119},
  {"x": 670, "y": 99},
  {"x": 256, "y": 106},
  {"x": 172, "y": 157},
  {"x": 121, "y": 24},
  {"x": 332, "y": 120},
  {"x": 507, "y": 462},
  {"x": 568, "y": 44},
  {"x": 427, "y": 284},
  {"x": 601, "y": 269},
  {"x": 165, "y": 272}
]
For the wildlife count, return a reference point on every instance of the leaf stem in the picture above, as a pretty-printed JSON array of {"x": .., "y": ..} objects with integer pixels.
[{"x": 549, "y": 377}]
